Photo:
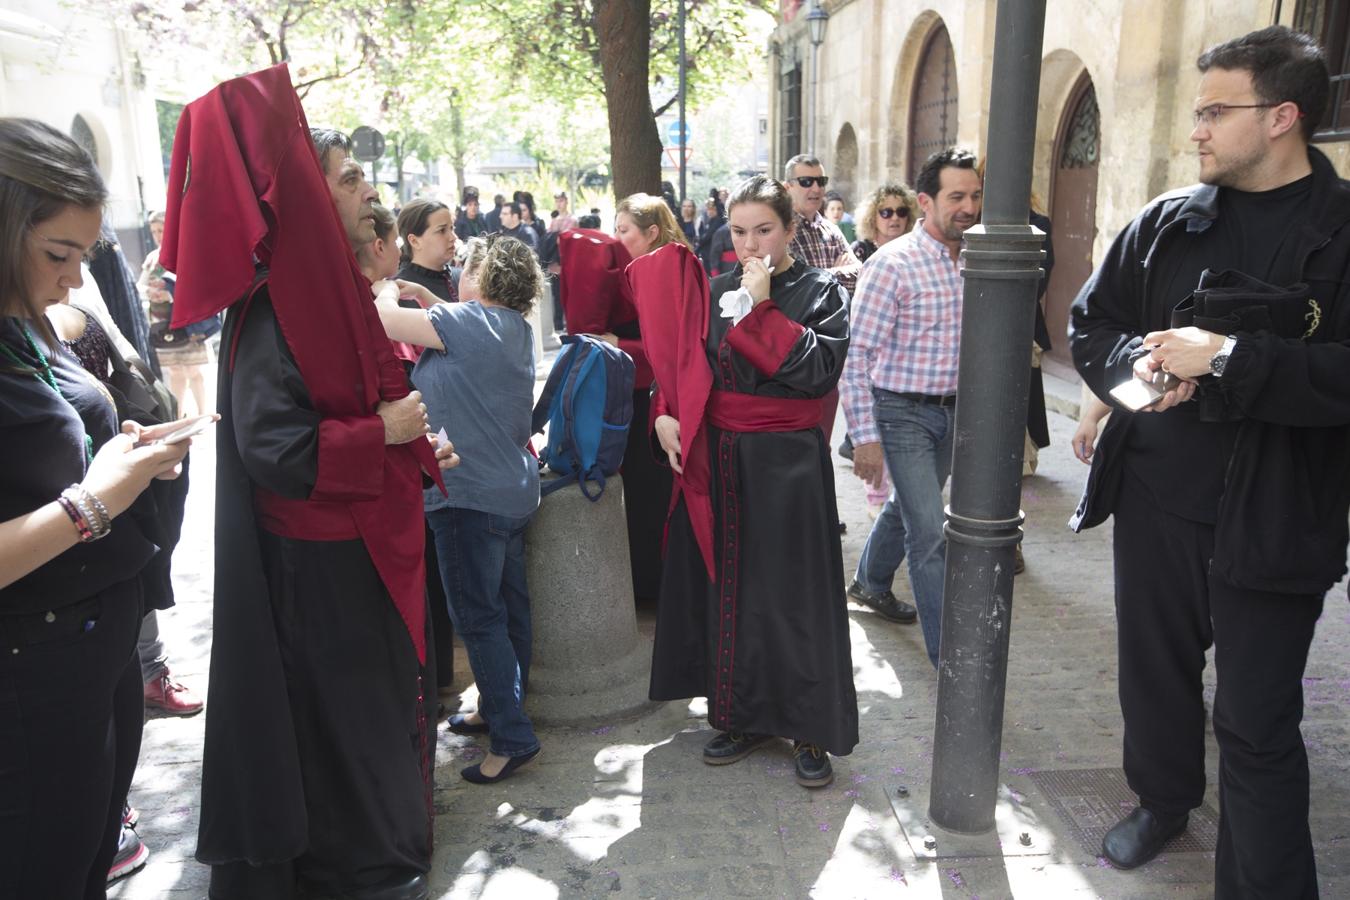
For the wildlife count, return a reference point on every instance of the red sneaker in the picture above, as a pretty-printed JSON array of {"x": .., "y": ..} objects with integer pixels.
[{"x": 170, "y": 697}]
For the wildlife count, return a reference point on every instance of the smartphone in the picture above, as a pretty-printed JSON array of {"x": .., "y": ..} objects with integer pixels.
[
  {"x": 189, "y": 428},
  {"x": 1135, "y": 394}
]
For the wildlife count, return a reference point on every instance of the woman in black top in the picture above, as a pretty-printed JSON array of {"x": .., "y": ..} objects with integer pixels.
[
  {"x": 428, "y": 248},
  {"x": 70, "y": 607}
]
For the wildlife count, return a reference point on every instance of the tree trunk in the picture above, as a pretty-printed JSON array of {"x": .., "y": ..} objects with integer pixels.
[{"x": 623, "y": 29}]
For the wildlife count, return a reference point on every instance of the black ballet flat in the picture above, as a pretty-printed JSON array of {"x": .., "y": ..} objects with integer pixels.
[
  {"x": 474, "y": 774},
  {"x": 458, "y": 725}
]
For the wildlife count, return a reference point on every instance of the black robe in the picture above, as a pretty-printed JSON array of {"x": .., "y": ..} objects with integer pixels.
[
  {"x": 317, "y": 754},
  {"x": 771, "y": 652}
]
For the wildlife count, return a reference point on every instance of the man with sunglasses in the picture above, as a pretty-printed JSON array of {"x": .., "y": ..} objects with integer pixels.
[
  {"x": 1230, "y": 510},
  {"x": 818, "y": 241}
]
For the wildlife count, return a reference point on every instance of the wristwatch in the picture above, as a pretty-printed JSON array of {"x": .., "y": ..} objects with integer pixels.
[{"x": 1219, "y": 361}]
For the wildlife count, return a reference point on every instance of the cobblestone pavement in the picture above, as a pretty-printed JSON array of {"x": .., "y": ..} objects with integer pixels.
[{"x": 627, "y": 808}]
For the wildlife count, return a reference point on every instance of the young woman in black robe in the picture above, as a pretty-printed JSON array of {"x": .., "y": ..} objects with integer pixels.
[{"x": 766, "y": 641}]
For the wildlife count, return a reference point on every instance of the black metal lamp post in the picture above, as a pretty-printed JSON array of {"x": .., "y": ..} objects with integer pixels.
[
  {"x": 1002, "y": 276},
  {"x": 816, "y": 20}
]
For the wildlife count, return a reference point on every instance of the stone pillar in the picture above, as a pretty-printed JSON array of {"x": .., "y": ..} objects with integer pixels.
[
  {"x": 589, "y": 662},
  {"x": 545, "y": 307},
  {"x": 537, "y": 326}
]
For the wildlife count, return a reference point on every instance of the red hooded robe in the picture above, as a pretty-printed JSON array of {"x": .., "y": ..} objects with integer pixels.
[{"x": 245, "y": 183}]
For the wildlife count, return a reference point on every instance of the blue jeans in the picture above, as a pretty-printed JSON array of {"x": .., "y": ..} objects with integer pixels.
[
  {"x": 482, "y": 560},
  {"x": 917, "y": 441}
]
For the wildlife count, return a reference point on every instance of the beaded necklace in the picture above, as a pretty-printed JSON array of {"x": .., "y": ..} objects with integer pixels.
[{"x": 44, "y": 374}]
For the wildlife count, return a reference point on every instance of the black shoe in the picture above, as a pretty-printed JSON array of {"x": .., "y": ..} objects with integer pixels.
[
  {"x": 843, "y": 527},
  {"x": 885, "y": 604},
  {"x": 813, "y": 765},
  {"x": 730, "y": 746},
  {"x": 474, "y": 774},
  {"x": 1138, "y": 837},
  {"x": 458, "y": 725},
  {"x": 400, "y": 887}
]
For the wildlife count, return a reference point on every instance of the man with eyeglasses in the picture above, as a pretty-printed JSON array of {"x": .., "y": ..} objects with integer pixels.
[
  {"x": 818, "y": 241},
  {"x": 1231, "y": 491},
  {"x": 899, "y": 391}
]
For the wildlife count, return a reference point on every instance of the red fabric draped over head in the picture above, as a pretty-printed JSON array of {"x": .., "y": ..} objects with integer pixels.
[
  {"x": 245, "y": 183},
  {"x": 672, "y": 303},
  {"x": 593, "y": 292}
]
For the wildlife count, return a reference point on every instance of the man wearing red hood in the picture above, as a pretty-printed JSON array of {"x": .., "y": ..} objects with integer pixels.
[{"x": 316, "y": 776}]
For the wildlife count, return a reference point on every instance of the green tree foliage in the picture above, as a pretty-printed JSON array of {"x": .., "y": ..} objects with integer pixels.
[{"x": 457, "y": 77}]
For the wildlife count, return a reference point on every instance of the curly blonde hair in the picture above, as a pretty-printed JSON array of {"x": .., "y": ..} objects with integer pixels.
[
  {"x": 646, "y": 211},
  {"x": 508, "y": 275},
  {"x": 867, "y": 213}
]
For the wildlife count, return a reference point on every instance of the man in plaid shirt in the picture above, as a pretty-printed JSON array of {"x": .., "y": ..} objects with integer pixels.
[
  {"x": 899, "y": 390},
  {"x": 818, "y": 241}
]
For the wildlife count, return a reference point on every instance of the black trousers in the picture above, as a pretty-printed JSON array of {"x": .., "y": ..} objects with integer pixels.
[
  {"x": 70, "y": 732},
  {"x": 1169, "y": 611},
  {"x": 647, "y": 487},
  {"x": 352, "y": 680}
]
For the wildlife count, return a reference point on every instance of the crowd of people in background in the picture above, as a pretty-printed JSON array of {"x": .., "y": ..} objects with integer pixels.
[{"x": 375, "y": 474}]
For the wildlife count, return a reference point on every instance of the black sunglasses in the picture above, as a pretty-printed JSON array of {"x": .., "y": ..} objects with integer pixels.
[
  {"x": 886, "y": 212},
  {"x": 807, "y": 180}
]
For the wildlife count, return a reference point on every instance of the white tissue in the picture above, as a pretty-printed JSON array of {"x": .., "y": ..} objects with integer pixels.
[
  {"x": 442, "y": 438},
  {"x": 736, "y": 305}
]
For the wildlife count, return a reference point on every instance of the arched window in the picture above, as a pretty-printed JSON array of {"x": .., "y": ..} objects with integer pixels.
[
  {"x": 1329, "y": 22},
  {"x": 84, "y": 136},
  {"x": 932, "y": 113}
]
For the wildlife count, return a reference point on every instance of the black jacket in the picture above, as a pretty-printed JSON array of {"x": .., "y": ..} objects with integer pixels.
[{"x": 1281, "y": 523}]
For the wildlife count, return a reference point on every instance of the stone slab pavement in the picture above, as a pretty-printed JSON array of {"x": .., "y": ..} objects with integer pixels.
[{"x": 627, "y": 809}]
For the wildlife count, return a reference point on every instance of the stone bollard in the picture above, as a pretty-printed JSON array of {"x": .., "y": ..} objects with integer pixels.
[
  {"x": 545, "y": 307},
  {"x": 589, "y": 662}
]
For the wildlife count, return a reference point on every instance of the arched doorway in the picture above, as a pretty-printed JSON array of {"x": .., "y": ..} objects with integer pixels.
[
  {"x": 844, "y": 176},
  {"x": 932, "y": 110},
  {"x": 1073, "y": 209}
]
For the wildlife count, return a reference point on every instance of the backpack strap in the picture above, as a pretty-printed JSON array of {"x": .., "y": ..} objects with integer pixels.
[
  {"x": 586, "y": 360},
  {"x": 542, "y": 408}
]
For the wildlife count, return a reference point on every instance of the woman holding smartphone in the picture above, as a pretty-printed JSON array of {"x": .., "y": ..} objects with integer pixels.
[{"x": 70, "y": 593}]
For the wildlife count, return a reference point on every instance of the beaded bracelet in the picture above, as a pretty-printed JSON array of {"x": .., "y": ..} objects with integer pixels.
[
  {"x": 91, "y": 509},
  {"x": 73, "y": 511}
]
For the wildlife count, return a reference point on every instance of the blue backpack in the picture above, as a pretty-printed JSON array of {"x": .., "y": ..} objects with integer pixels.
[{"x": 588, "y": 406}]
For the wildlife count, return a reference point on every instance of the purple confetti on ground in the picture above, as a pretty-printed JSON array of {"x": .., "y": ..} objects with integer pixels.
[
  {"x": 470, "y": 753},
  {"x": 1102, "y": 863},
  {"x": 897, "y": 770},
  {"x": 824, "y": 826},
  {"x": 1021, "y": 771},
  {"x": 782, "y": 829},
  {"x": 851, "y": 794},
  {"x": 897, "y": 875},
  {"x": 955, "y": 876},
  {"x": 603, "y": 729},
  {"x": 861, "y": 779}
]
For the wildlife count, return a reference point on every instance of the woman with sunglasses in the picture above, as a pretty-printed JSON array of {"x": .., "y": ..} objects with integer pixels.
[
  {"x": 890, "y": 211},
  {"x": 71, "y": 562}
]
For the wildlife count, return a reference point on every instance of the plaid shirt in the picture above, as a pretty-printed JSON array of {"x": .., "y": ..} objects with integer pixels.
[
  {"x": 820, "y": 243},
  {"x": 906, "y": 327}
]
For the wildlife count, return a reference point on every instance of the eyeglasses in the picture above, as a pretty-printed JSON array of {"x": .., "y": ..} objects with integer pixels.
[
  {"x": 807, "y": 180},
  {"x": 1211, "y": 114},
  {"x": 900, "y": 212}
]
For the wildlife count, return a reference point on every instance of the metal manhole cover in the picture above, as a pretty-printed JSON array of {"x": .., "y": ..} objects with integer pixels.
[{"x": 1090, "y": 801}]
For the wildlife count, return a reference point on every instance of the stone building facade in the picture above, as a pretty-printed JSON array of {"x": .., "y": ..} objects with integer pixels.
[{"x": 896, "y": 79}]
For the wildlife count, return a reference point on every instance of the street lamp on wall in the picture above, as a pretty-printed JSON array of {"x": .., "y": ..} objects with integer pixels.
[{"x": 816, "y": 20}]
